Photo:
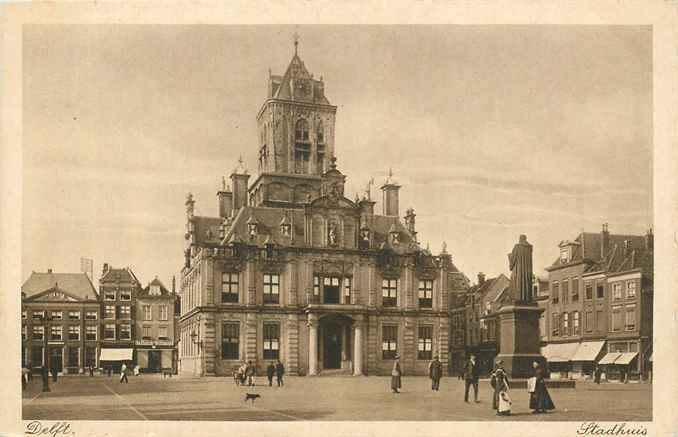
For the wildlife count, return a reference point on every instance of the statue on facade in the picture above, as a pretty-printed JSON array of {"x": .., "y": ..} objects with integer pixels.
[
  {"x": 332, "y": 234},
  {"x": 520, "y": 263}
]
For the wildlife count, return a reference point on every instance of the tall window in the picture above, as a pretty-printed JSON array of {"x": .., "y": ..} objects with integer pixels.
[
  {"x": 575, "y": 290},
  {"x": 229, "y": 287},
  {"x": 588, "y": 321},
  {"x": 320, "y": 133},
  {"x": 301, "y": 131},
  {"x": 316, "y": 285},
  {"x": 565, "y": 289},
  {"x": 109, "y": 295},
  {"x": 56, "y": 333},
  {"x": 148, "y": 314},
  {"x": 630, "y": 289},
  {"x": 588, "y": 286},
  {"x": 616, "y": 318},
  {"x": 162, "y": 333},
  {"x": 125, "y": 332},
  {"x": 164, "y": 314},
  {"x": 425, "y": 343},
  {"x": 566, "y": 323},
  {"x": 36, "y": 356},
  {"x": 91, "y": 332},
  {"x": 555, "y": 294},
  {"x": 575, "y": 323},
  {"x": 425, "y": 294},
  {"x": 271, "y": 288},
  {"x": 57, "y": 315},
  {"x": 617, "y": 291},
  {"x": 38, "y": 332},
  {"x": 331, "y": 289},
  {"x": 109, "y": 331},
  {"x": 91, "y": 315},
  {"x": 146, "y": 332},
  {"x": 230, "y": 341},
  {"x": 630, "y": 321},
  {"x": 74, "y": 332},
  {"x": 24, "y": 332},
  {"x": 74, "y": 315},
  {"x": 38, "y": 315},
  {"x": 389, "y": 292},
  {"x": 125, "y": 295},
  {"x": 24, "y": 315},
  {"x": 73, "y": 357},
  {"x": 389, "y": 342},
  {"x": 109, "y": 312},
  {"x": 271, "y": 341},
  {"x": 347, "y": 290},
  {"x": 600, "y": 291}
]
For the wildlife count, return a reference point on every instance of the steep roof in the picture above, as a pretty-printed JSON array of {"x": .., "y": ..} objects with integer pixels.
[
  {"x": 77, "y": 285},
  {"x": 283, "y": 87},
  {"x": 587, "y": 246},
  {"x": 145, "y": 293},
  {"x": 207, "y": 229},
  {"x": 119, "y": 275}
]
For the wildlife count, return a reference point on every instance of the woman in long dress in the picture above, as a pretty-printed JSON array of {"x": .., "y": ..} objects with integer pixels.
[
  {"x": 395, "y": 375},
  {"x": 501, "y": 401},
  {"x": 540, "y": 400}
]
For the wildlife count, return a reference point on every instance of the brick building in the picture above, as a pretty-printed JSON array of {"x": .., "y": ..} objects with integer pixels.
[
  {"x": 60, "y": 322},
  {"x": 292, "y": 269},
  {"x": 155, "y": 347},
  {"x": 118, "y": 289},
  {"x": 599, "y": 309}
]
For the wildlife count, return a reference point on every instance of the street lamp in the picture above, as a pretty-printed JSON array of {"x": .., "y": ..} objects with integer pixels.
[{"x": 195, "y": 338}]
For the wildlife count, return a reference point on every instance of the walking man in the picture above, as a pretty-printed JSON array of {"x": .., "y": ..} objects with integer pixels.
[
  {"x": 251, "y": 373},
  {"x": 279, "y": 372},
  {"x": 91, "y": 370},
  {"x": 396, "y": 375},
  {"x": 471, "y": 378},
  {"x": 270, "y": 370},
  {"x": 596, "y": 375},
  {"x": 123, "y": 373},
  {"x": 435, "y": 372}
]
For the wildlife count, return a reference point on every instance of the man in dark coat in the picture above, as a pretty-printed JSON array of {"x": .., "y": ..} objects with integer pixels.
[
  {"x": 435, "y": 372},
  {"x": 471, "y": 374},
  {"x": 251, "y": 373},
  {"x": 396, "y": 374},
  {"x": 279, "y": 372},
  {"x": 540, "y": 400},
  {"x": 270, "y": 370},
  {"x": 596, "y": 375},
  {"x": 54, "y": 373}
]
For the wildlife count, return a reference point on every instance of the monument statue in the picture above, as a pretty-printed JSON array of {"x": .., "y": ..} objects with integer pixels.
[{"x": 520, "y": 263}]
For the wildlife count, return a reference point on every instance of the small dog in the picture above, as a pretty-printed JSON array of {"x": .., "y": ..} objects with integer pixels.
[
  {"x": 166, "y": 373},
  {"x": 251, "y": 396}
]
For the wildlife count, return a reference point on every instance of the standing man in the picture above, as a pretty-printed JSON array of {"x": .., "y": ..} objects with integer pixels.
[
  {"x": 396, "y": 374},
  {"x": 251, "y": 373},
  {"x": 435, "y": 372},
  {"x": 279, "y": 372},
  {"x": 123, "y": 373},
  {"x": 596, "y": 375},
  {"x": 471, "y": 378},
  {"x": 91, "y": 370},
  {"x": 270, "y": 370}
]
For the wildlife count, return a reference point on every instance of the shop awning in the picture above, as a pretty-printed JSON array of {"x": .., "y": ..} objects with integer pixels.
[
  {"x": 626, "y": 358},
  {"x": 116, "y": 355},
  {"x": 559, "y": 353},
  {"x": 588, "y": 351},
  {"x": 610, "y": 358}
]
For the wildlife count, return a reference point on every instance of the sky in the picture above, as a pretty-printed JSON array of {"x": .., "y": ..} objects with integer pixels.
[{"x": 492, "y": 131}]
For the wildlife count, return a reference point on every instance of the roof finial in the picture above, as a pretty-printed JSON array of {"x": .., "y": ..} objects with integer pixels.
[
  {"x": 223, "y": 183},
  {"x": 296, "y": 41}
]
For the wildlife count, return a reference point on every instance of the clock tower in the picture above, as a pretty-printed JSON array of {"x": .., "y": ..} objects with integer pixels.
[{"x": 296, "y": 138}]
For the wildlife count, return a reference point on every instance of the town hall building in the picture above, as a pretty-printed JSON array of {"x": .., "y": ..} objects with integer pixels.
[{"x": 292, "y": 269}]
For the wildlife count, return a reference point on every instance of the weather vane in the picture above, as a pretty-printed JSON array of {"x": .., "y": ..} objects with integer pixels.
[{"x": 296, "y": 41}]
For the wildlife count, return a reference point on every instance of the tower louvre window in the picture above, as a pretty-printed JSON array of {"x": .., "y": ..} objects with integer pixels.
[{"x": 301, "y": 131}]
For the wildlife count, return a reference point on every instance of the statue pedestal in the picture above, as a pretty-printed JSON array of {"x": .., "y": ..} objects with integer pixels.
[{"x": 519, "y": 339}]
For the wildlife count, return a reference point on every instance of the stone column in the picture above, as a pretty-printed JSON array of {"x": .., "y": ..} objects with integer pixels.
[
  {"x": 312, "y": 344},
  {"x": 358, "y": 349}
]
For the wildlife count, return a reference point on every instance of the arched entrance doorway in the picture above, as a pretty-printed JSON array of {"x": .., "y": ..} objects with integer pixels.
[{"x": 335, "y": 343}]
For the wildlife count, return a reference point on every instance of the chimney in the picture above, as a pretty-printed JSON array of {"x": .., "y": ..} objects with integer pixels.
[
  {"x": 409, "y": 222},
  {"x": 366, "y": 207},
  {"x": 628, "y": 246},
  {"x": 649, "y": 240},
  {"x": 481, "y": 278},
  {"x": 105, "y": 269},
  {"x": 604, "y": 241},
  {"x": 190, "y": 206},
  {"x": 239, "y": 180},
  {"x": 390, "y": 196},
  {"x": 225, "y": 196},
  {"x": 174, "y": 284},
  {"x": 49, "y": 271}
]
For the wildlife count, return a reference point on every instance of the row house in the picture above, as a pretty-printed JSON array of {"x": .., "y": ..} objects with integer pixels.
[
  {"x": 60, "y": 322},
  {"x": 155, "y": 324},
  {"x": 599, "y": 310},
  {"x": 291, "y": 269}
]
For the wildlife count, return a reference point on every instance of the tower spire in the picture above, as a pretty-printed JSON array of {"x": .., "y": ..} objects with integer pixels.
[{"x": 296, "y": 41}]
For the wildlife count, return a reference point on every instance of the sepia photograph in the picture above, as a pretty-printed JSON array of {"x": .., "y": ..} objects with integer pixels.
[{"x": 337, "y": 223}]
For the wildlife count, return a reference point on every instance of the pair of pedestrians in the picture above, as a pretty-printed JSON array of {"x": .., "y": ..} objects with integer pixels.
[
  {"x": 276, "y": 369},
  {"x": 435, "y": 373}
]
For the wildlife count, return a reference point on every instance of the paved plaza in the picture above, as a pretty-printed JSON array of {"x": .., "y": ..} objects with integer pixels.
[{"x": 150, "y": 397}]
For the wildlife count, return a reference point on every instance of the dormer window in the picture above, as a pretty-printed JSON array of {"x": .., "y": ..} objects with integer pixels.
[
  {"x": 252, "y": 227},
  {"x": 565, "y": 255},
  {"x": 155, "y": 290},
  {"x": 394, "y": 235},
  {"x": 285, "y": 227}
]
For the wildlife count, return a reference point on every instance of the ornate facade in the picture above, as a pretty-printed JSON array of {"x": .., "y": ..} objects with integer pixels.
[{"x": 292, "y": 269}]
